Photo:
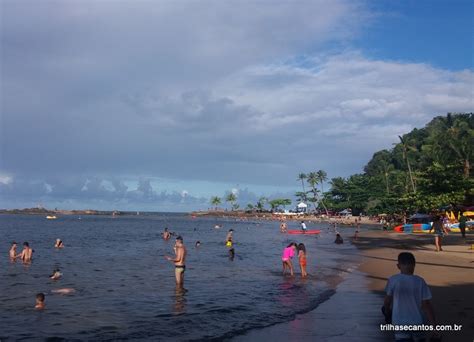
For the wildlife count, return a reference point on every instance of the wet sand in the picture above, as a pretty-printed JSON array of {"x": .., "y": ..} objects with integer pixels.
[{"x": 353, "y": 312}]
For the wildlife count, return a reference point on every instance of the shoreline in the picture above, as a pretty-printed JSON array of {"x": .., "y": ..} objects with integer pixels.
[
  {"x": 354, "y": 311},
  {"x": 268, "y": 216}
]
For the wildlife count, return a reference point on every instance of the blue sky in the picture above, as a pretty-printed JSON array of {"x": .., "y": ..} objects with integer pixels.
[
  {"x": 160, "y": 105},
  {"x": 425, "y": 31}
]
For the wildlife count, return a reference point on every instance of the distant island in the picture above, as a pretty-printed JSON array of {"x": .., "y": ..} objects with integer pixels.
[{"x": 44, "y": 211}]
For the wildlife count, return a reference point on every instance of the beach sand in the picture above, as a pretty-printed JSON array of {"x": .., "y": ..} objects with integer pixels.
[
  {"x": 353, "y": 312},
  {"x": 449, "y": 274}
]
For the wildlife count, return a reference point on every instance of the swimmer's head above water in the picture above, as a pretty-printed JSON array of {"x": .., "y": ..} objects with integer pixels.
[{"x": 40, "y": 301}]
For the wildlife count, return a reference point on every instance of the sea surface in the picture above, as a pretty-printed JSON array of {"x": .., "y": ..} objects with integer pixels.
[{"x": 125, "y": 288}]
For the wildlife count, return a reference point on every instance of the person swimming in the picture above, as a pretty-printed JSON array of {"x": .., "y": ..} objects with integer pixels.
[
  {"x": 63, "y": 291},
  {"x": 339, "y": 239},
  {"x": 56, "y": 274},
  {"x": 59, "y": 244},
  {"x": 40, "y": 297},
  {"x": 198, "y": 243}
]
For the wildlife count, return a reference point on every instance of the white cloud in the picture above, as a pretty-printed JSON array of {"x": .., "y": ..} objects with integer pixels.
[
  {"x": 5, "y": 179},
  {"x": 109, "y": 93}
]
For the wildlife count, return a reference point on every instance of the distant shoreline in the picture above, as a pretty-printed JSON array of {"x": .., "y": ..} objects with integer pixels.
[
  {"x": 349, "y": 220},
  {"x": 42, "y": 211}
]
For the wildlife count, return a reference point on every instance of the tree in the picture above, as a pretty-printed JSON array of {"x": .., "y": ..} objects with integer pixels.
[
  {"x": 300, "y": 196},
  {"x": 313, "y": 179},
  {"x": 232, "y": 198},
  {"x": 405, "y": 148},
  {"x": 216, "y": 201},
  {"x": 322, "y": 177},
  {"x": 276, "y": 203},
  {"x": 302, "y": 177},
  {"x": 261, "y": 203}
]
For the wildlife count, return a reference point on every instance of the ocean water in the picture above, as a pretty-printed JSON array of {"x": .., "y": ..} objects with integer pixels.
[{"x": 125, "y": 288}]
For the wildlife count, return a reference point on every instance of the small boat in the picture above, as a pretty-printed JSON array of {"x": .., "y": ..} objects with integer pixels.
[
  {"x": 304, "y": 232},
  {"x": 454, "y": 227},
  {"x": 51, "y": 217},
  {"x": 410, "y": 228}
]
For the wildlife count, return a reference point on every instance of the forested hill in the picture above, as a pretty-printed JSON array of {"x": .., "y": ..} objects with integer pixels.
[{"x": 429, "y": 168}]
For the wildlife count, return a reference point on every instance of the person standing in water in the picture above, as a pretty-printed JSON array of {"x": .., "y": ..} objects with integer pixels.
[
  {"x": 166, "y": 234},
  {"x": 26, "y": 254},
  {"x": 179, "y": 260},
  {"x": 288, "y": 253},
  {"x": 302, "y": 259},
  {"x": 303, "y": 226},
  {"x": 12, "y": 251}
]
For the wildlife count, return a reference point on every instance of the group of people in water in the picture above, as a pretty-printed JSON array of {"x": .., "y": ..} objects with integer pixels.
[
  {"x": 26, "y": 256},
  {"x": 179, "y": 258}
]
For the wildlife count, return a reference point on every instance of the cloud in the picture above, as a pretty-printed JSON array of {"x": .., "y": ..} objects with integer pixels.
[{"x": 97, "y": 96}]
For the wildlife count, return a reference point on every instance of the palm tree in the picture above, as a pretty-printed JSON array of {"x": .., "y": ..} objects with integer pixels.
[
  {"x": 313, "y": 181},
  {"x": 386, "y": 169},
  {"x": 231, "y": 198},
  {"x": 405, "y": 148},
  {"x": 322, "y": 177},
  {"x": 302, "y": 177},
  {"x": 215, "y": 201}
]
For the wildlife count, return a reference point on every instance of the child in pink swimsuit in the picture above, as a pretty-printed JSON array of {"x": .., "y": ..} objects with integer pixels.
[{"x": 288, "y": 253}]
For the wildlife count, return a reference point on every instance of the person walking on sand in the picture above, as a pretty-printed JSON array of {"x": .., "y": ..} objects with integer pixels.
[
  {"x": 179, "y": 260},
  {"x": 356, "y": 234},
  {"x": 407, "y": 298},
  {"x": 288, "y": 253},
  {"x": 462, "y": 225},
  {"x": 302, "y": 259},
  {"x": 439, "y": 231}
]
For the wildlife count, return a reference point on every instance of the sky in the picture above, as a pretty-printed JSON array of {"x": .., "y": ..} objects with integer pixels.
[{"x": 159, "y": 105}]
